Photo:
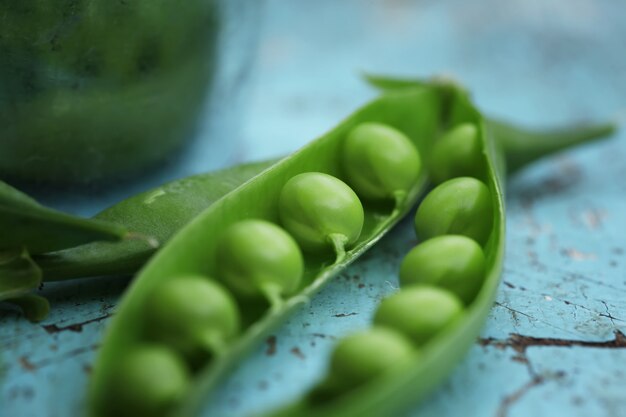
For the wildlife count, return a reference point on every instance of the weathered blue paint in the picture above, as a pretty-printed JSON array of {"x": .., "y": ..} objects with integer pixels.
[{"x": 564, "y": 283}]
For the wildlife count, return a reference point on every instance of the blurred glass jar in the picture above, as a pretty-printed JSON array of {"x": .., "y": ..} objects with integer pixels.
[{"x": 94, "y": 90}]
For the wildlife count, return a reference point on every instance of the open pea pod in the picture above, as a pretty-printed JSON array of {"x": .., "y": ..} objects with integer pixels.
[
  {"x": 417, "y": 373},
  {"x": 27, "y": 224},
  {"x": 194, "y": 250}
]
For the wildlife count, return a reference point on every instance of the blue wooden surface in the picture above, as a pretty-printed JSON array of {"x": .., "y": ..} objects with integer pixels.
[{"x": 544, "y": 350}]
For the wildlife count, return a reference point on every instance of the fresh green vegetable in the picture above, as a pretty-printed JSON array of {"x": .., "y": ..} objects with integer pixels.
[
  {"x": 196, "y": 249},
  {"x": 457, "y": 154},
  {"x": 460, "y": 206},
  {"x": 419, "y": 312},
  {"x": 453, "y": 263},
  {"x": 161, "y": 212},
  {"x": 450, "y": 261},
  {"x": 361, "y": 357},
  {"x": 258, "y": 257},
  {"x": 320, "y": 210},
  {"x": 420, "y": 113},
  {"x": 147, "y": 381},
  {"x": 193, "y": 314},
  {"x": 380, "y": 162}
]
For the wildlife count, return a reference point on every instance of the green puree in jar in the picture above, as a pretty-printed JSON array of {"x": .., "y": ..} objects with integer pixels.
[{"x": 97, "y": 89}]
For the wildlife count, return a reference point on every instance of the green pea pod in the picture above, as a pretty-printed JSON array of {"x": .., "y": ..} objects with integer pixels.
[
  {"x": 402, "y": 385},
  {"x": 27, "y": 224},
  {"x": 193, "y": 250},
  {"x": 419, "y": 112},
  {"x": 157, "y": 213}
]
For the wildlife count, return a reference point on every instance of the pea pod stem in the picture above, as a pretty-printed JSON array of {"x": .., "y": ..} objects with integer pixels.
[
  {"x": 399, "y": 196},
  {"x": 272, "y": 293},
  {"x": 338, "y": 241},
  {"x": 27, "y": 224},
  {"x": 213, "y": 343},
  {"x": 522, "y": 146}
]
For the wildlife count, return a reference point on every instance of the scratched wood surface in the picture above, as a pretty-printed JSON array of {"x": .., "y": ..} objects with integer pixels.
[{"x": 554, "y": 342}]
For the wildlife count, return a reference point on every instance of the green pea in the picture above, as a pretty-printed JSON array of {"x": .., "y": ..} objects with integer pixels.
[
  {"x": 147, "y": 381},
  {"x": 419, "y": 311},
  {"x": 256, "y": 257},
  {"x": 461, "y": 206},
  {"x": 454, "y": 262},
  {"x": 380, "y": 162},
  {"x": 457, "y": 154},
  {"x": 321, "y": 211},
  {"x": 365, "y": 355},
  {"x": 192, "y": 314}
]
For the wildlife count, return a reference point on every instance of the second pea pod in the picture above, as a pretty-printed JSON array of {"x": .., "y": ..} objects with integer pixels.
[{"x": 235, "y": 272}]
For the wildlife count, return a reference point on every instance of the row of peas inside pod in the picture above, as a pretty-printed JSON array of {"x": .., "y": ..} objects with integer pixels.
[
  {"x": 190, "y": 320},
  {"x": 439, "y": 277}
]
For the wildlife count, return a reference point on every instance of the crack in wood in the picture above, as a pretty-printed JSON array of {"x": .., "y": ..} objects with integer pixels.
[
  {"x": 345, "y": 314},
  {"x": 76, "y": 327},
  {"x": 509, "y": 400},
  {"x": 608, "y": 313},
  {"x": 520, "y": 343},
  {"x": 514, "y": 313}
]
